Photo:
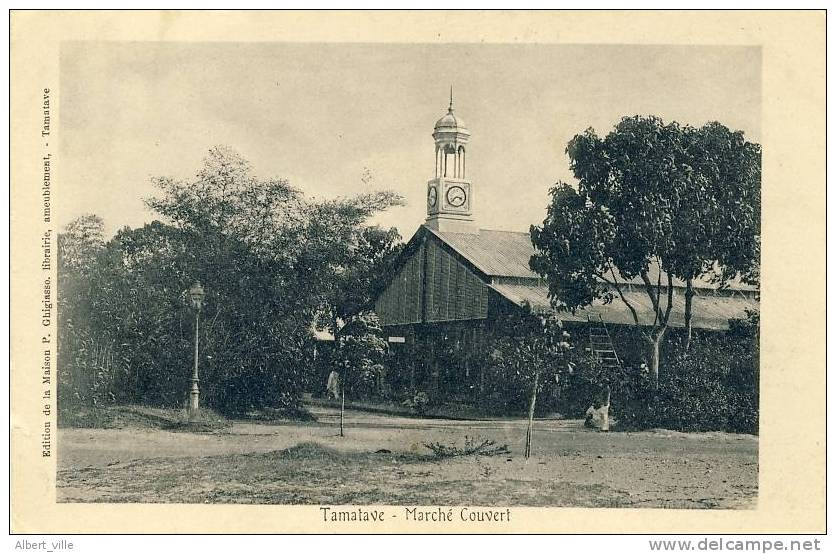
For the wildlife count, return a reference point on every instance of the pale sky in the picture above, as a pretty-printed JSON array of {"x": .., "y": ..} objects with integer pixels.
[{"x": 318, "y": 114}]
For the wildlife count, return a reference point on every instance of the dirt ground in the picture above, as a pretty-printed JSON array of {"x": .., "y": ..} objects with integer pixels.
[{"x": 382, "y": 460}]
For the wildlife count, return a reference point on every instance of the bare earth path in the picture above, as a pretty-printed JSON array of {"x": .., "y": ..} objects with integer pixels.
[{"x": 308, "y": 463}]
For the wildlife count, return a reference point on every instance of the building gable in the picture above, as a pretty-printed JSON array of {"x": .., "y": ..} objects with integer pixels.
[{"x": 432, "y": 284}]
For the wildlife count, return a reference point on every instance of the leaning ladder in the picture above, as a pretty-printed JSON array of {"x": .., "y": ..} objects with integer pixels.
[{"x": 600, "y": 343}]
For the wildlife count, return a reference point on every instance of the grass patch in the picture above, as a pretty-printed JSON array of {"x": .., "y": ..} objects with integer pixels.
[
  {"x": 146, "y": 417},
  {"x": 140, "y": 417},
  {"x": 310, "y": 450},
  {"x": 205, "y": 420},
  {"x": 100, "y": 417}
]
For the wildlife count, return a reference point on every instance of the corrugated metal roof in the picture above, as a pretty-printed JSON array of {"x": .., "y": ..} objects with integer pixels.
[
  {"x": 710, "y": 311},
  {"x": 496, "y": 253},
  {"x": 506, "y": 254}
]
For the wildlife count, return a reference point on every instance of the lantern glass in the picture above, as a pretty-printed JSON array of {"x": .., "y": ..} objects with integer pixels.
[{"x": 196, "y": 293}]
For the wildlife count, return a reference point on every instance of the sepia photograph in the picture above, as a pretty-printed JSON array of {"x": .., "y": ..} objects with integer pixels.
[
  {"x": 455, "y": 283},
  {"x": 412, "y": 275}
]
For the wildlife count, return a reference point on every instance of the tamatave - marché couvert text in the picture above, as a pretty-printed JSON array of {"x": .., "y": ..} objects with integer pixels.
[{"x": 417, "y": 514}]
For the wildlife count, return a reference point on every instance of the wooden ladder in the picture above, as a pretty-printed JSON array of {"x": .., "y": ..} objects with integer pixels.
[{"x": 600, "y": 343}]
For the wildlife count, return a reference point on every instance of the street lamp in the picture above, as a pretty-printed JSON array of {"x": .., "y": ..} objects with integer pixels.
[{"x": 196, "y": 295}]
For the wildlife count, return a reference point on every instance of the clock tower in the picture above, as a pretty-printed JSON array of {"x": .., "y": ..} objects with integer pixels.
[{"x": 449, "y": 194}]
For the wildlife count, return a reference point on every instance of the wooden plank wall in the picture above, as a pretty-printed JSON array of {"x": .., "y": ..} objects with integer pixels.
[
  {"x": 453, "y": 291},
  {"x": 400, "y": 302}
]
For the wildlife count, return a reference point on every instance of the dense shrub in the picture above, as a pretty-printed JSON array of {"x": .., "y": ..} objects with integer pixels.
[
  {"x": 506, "y": 393},
  {"x": 527, "y": 350},
  {"x": 359, "y": 356},
  {"x": 417, "y": 402},
  {"x": 711, "y": 387},
  {"x": 589, "y": 380}
]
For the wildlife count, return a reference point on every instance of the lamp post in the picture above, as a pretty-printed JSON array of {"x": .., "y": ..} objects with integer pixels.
[{"x": 196, "y": 295}]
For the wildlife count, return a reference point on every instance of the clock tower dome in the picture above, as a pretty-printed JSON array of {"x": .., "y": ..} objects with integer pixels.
[{"x": 449, "y": 194}]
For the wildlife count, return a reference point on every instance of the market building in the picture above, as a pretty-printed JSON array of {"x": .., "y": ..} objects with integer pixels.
[{"x": 453, "y": 280}]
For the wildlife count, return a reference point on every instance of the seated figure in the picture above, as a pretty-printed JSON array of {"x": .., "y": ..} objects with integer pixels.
[{"x": 598, "y": 414}]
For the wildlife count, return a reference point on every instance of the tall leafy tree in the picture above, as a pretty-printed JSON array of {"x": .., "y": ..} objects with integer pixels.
[
  {"x": 274, "y": 257},
  {"x": 343, "y": 260},
  {"x": 79, "y": 243},
  {"x": 85, "y": 356},
  {"x": 269, "y": 259},
  {"x": 617, "y": 225},
  {"x": 139, "y": 307},
  {"x": 375, "y": 252},
  {"x": 654, "y": 202},
  {"x": 717, "y": 226}
]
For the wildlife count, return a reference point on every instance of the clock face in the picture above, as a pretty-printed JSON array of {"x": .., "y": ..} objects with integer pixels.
[
  {"x": 432, "y": 197},
  {"x": 456, "y": 196}
]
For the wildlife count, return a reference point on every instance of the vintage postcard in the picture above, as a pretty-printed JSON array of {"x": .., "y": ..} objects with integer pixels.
[{"x": 341, "y": 272}]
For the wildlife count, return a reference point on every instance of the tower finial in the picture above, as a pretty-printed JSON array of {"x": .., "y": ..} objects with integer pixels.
[{"x": 451, "y": 99}]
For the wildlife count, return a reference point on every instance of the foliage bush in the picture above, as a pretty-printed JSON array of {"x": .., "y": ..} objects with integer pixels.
[
  {"x": 505, "y": 393},
  {"x": 713, "y": 386},
  {"x": 89, "y": 363},
  {"x": 359, "y": 356},
  {"x": 418, "y": 402},
  {"x": 528, "y": 350}
]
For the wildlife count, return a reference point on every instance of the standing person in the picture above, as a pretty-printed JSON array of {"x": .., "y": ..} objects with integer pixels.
[{"x": 332, "y": 387}]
